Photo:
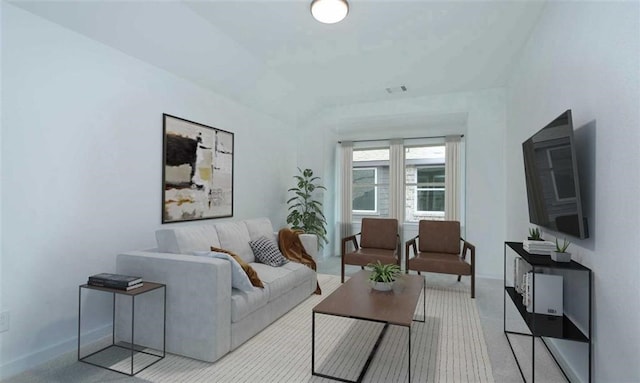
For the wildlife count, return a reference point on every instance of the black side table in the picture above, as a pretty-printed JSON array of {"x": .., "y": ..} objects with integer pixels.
[{"x": 115, "y": 351}]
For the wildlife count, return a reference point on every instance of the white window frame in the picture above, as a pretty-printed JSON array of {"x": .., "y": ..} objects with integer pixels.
[
  {"x": 375, "y": 191},
  {"x": 428, "y": 187}
]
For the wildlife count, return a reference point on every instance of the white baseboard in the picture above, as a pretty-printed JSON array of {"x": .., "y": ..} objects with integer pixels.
[
  {"x": 91, "y": 339},
  {"x": 490, "y": 276}
]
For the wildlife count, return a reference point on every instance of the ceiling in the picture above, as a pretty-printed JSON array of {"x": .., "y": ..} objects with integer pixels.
[{"x": 274, "y": 57}]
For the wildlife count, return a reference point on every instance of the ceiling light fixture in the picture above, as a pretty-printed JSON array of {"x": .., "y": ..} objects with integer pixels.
[{"x": 329, "y": 11}]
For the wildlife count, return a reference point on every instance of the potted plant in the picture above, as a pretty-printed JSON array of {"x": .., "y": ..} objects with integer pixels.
[
  {"x": 383, "y": 276},
  {"x": 561, "y": 255},
  {"x": 534, "y": 234},
  {"x": 305, "y": 212}
]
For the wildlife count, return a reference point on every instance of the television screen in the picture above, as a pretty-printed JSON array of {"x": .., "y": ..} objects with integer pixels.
[{"x": 551, "y": 173}]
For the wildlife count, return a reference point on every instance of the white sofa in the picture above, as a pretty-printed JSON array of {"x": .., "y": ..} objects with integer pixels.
[{"x": 205, "y": 317}]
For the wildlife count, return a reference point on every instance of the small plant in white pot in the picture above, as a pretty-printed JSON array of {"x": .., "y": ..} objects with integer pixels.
[
  {"x": 534, "y": 234},
  {"x": 383, "y": 275},
  {"x": 561, "y": 254}
]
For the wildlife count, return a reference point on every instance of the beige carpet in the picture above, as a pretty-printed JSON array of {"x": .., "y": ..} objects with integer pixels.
[{"x": 448, "y": 347}]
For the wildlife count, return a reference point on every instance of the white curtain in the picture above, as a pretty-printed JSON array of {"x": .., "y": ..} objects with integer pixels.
[
  {"x": 396, "y": 183},
  {"x": 452, "y": 178},
  {"x": 396, "y": 180},
  {"x": 344, "y": 191}
]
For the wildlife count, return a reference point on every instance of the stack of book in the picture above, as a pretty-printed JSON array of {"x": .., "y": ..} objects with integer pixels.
[
  {"x": 539, "y": 247},
  {"x": 520, "y": 269},
  {"x": 115, "y": 281}
]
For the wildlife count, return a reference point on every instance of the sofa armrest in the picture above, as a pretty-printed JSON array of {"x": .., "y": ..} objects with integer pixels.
[
  {"x": 310, "y": 243},
  {"x": 198, "y": 300}
]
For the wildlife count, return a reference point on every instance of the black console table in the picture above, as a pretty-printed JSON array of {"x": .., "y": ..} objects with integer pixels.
[{"x": 567, "y": 326}]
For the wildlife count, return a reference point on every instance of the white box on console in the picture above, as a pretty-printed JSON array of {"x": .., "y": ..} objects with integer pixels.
[{"x": 548, "y": 294}]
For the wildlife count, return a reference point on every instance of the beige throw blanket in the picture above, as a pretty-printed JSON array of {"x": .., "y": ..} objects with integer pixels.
[{"x": 292, "y": 248}]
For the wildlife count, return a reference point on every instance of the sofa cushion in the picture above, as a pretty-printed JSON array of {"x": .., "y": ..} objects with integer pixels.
[
  {"x": 187, "y": 239},
  {"x": 244, "y": 303},
  {"x": 260, "y": 227},
  {"x": 279, "y": 280},
  {"x": 234, "y": 237},
  {"x": 251, "y": 273},
  {"x": 239, "y": 278},
  {"x": 266, "y": 251}
]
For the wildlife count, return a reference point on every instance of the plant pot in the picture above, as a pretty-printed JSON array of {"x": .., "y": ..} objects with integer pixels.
[
  {"x": 561, "y": 257},
  {"x": 381, "y": 286},
  {"x": 534, "y": 239}
]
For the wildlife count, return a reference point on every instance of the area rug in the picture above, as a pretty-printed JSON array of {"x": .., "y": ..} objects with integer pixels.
[{"x": 448, "y": 347}]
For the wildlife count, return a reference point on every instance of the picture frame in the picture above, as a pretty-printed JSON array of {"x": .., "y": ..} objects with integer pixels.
[{"x": 197, "y": 171}]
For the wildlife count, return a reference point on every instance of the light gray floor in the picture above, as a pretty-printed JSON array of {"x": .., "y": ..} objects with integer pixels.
[{"x": 489, "y": 300}]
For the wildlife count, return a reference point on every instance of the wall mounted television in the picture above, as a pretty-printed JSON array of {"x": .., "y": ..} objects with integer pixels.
[{"x": 551, "y": 174}]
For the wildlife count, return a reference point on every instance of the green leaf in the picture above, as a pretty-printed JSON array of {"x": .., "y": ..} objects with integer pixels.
[{"x": 305, "y": 212}]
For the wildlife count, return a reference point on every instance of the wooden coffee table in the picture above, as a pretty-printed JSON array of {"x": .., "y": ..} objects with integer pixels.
[{"x": 356, "y": 299}]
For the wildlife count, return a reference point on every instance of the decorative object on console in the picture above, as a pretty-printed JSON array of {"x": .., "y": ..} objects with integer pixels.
[
  {"x": 538, "y": 247},
  {"x": 305, "y": 212},
  {"x": 520, "y": 269},
  {"x": 548, "y": 294},
  {"x": 267, "y": 252},
  {"x": 560, "y": 254},
  {"x": 382, "y": 275},
  {"x": 197, "y": 171},
  {"x": 534, "y": 234}
]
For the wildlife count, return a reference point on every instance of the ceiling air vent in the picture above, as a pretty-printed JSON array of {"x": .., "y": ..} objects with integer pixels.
[{"x": 397, "y": 89}]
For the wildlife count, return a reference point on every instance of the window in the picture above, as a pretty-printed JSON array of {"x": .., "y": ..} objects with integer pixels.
[
  {"x": 365, "y": 197},
  {"x": 424, "y": 182},
  {"x": 430, "y": 190},
  {"x": 370, "y": 182}
]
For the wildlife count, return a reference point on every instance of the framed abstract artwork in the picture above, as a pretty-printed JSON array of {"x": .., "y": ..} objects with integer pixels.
[{"x": 197, "y": 171}]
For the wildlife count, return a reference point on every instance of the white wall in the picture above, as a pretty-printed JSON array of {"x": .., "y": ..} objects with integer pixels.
[
  {"x": 1, "y": 178},
  {"x": 479, "y": 115},
  {"x": 316, "y": 151},
  {"x": 584, "y": 56},
  {"x": 81, "y": 171}
]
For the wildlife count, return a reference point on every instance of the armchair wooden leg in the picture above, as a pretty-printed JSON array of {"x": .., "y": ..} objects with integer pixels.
[
  {"x": 459, "y": 277},
  {"x": 342, "y": 272},
  {"x": 473, "y": 285}
]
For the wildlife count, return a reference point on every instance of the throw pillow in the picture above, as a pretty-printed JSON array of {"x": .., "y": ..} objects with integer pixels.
[
  {"x": 267, "y": 252},
  {"x": 239, "y": 279},
  {"x": 249, "y": 271}
]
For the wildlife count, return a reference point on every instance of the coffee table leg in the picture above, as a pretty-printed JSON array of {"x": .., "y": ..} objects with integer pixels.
[
  {"x": 313, "y": 342},
  {"x": 424, "y": 303},
  {"x": 409, "y": 328},
  {"x": 424, "y": 300}
]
